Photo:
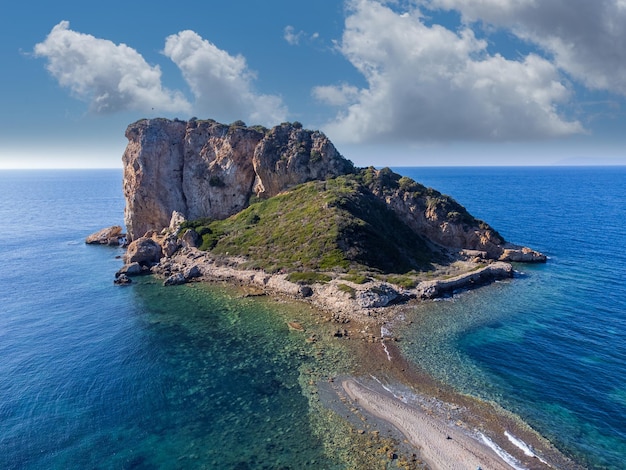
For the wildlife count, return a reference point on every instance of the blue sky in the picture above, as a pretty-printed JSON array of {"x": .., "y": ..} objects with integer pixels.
[{"x": 399, "y": 83}]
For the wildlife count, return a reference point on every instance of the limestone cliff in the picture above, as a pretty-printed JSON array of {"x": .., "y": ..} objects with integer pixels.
[{"x": 207, "y": 169}]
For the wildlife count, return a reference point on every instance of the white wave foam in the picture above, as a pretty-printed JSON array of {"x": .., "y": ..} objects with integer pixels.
[
  {"x": 509, "y": 459},
  {"x": 522, "y": 446},
  {"x": 385, "y": 332},
  {"x": 386, "y": 351},
  {"x": 399, "y": 397}
]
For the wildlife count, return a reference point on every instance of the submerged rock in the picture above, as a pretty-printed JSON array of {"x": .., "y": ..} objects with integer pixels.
[{"x": 122, "y": 280}]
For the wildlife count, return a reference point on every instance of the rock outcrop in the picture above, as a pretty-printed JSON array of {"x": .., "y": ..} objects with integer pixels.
[
  {"x": 207, "y": 169},
  {"x": 442, "y": 220},
  {"x": 112, "y": 236}
]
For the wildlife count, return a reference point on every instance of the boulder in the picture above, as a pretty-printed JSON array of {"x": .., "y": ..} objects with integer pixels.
[
  {"x": 522, "y": 255},
  {"x": 176, "y": 221},
  {"x": 175, "y": 280},
  {"x": 305, "y": 291},
  {"x": 378, "y": 296},
  {"x": 144, "y": 251},
  {"x": 107, "y": 236},
  {"x": 132, "y": 269},
  {"x": 170, "y": 245},
  {"x": 191, "y": 239},
  {"x": 192, "y": 272},
  {"x": 122, "y": 280}
]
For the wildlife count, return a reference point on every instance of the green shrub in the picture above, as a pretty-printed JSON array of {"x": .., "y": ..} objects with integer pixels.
[
  {"x": 407, "y": 282},
  {"x": 238, "y": 123},
  {"x": 356, "y": 278},
  {"x": 407, "y": 184},
  {"x": 347, "y": 289}
]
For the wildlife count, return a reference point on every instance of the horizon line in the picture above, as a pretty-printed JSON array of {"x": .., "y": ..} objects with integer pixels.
[{"x": 478, "y": 165}]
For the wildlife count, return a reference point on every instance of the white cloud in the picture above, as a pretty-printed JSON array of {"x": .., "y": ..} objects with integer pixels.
[
  {"x": 115, "y": 77},
  {"x": 427, "y": 83},
  {"x": 336, "y": 95},
  {"x": 294, "y": 38},
  {"x": 220, "y": 82},
  {"x": 291, "y": 36},
  {"x": 110, "y": 77},
  {"x": 586, "y": 38}
]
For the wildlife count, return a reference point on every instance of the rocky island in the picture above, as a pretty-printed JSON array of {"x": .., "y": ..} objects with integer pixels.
[{"x": 280, "y": 211}]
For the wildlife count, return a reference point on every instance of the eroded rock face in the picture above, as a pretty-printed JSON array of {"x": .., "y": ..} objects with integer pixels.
[
  {"x": 437, "y": 217},
  {"x": 218, "y": 171},
  {"x": 153, "y": 174},
  {"x": 290, "y": 155},
  {"x": 208, "y": 169}
]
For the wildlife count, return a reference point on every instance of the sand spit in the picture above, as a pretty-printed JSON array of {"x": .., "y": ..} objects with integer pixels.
[{"x": 442, "y": 446}]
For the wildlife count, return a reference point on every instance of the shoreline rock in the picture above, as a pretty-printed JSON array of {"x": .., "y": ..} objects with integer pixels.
[
  {"x": 371, "y": 301},
  {"x": 111, "y": 236}
]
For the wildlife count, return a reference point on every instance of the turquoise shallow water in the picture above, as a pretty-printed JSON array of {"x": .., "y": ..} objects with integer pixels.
[
  {"x": 97, "y": 376},
  {"x": 549, "y": 345}
]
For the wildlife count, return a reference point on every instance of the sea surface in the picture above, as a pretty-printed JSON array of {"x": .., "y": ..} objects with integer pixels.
[
  {"x": 550, "y": 345},
  {"x": 94, "y": 375}
]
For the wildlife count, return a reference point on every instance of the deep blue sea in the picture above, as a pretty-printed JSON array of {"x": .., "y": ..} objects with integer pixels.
[{"x": 94, "y": 375}]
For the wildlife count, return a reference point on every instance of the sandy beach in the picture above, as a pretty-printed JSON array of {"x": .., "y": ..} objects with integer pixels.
[{"x": 442, "y": 446}]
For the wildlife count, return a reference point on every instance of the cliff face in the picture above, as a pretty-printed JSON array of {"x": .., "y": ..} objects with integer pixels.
[
  {"x": 436, "y": 216},
  {"x": 208, "y": 169}
]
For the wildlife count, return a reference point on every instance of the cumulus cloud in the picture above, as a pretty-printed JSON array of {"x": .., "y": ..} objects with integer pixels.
[
  {"x": 115, "y": 77},
  {"x": 220, "y": 82},
  {"x": 586, "y": 38},
  {"x": 340, "y": 95},
  {"x": 111, "y": 77},
  {"x": 427, "y": 83}
]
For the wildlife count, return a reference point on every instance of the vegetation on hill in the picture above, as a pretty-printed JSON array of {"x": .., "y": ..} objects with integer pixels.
[{"x": 332, "y": 225}]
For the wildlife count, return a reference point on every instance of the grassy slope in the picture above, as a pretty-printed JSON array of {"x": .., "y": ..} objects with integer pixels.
[{"x": 321, "y": 225}]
